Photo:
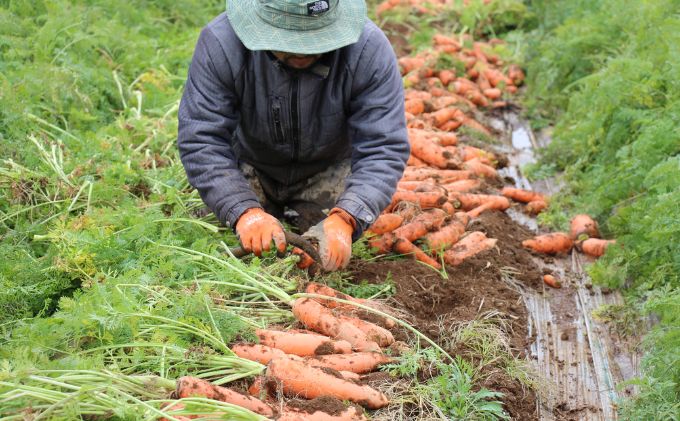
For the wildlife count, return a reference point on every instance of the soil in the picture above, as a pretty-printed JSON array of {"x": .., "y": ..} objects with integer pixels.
[
  {"x": 473, "y": 289},
  {"x": 327, "y": 404}
]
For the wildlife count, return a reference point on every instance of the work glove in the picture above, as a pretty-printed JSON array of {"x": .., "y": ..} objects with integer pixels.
[
  {"x": 256, "y": 229},
  {"x": 334, "y": 235}
]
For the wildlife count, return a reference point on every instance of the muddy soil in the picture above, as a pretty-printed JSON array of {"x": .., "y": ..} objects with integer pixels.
[{"x": 474, "y": 289}]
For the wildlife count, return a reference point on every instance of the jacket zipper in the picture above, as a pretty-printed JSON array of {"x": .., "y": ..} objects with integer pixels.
[
  {"x": 294, "y": 115},
  {"x": 278, "y": 128}
]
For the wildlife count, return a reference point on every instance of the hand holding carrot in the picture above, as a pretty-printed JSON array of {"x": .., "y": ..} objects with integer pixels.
[{"x": 334, "y": 235}]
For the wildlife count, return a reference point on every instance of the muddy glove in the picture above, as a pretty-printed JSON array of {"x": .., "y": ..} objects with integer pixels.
[
  {"x": 256, "y": 229},
  {"x": 334, "y": 235}
]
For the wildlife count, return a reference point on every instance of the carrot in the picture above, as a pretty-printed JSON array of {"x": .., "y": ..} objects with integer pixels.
[
  {"x": 373, "y": 332},
  {"x": 409, "y": 64},
  {"x": 440, "y": 39},
  {"x": 417, "y": 94},
  {"x": 447, "y": 76},
  {"x": 319, "y": 318},
  {"x": 524, "y": 196},
  {"x": 536, "y": 206},
  {"x": 301, "y": 344},
  {"x": 448, "y": 208},
  {"x": 193, "y": 386},
  {"x": 475, "y": 125},
  {"x": 473, "y": 244},
  {"x": 306, "y": 260},
  {"x": 511, "y": 89},
  {"x": 426, "y": 200},
  {"x": 469, "y": 153},
  {"x": 492, "y": 93},
  {"x": 450, "y": 126},
  {"x": 474, "y": 213},
  {"x": 582, "y": 227},
  {"x": 415, "y": 162},
  {"x": 445, "y": 237},
  {"x": 470, "y": 201},
  {"x": 463, "y": 218},
  {"x": 260, "y": 353},
  {"x": 257, "y": 387},
  {"x": 447, "y": 139},
  {"x": 496, "y": 78},
  {"x": 408, "y": 210},
  {"x": 443, "y": 176},
  {"x": 595, "y": 247},
  {"x": 438, "y": 118},
  {"x": 499, "y": 104},
  {"x": 301, "y": 379},
  {"x": 462, "y": 186},
  {"x": 414, "y": 106},
  {"x": 403, "y": 246},
  {"x": 386, "y": 223},
  {"x": 427, "y": 185},
  {"x": 478, "y": 168},
  {"x": 464, "y": 86},
  {"x": 294, "y": 414},
  {"x": 431, "y": 152},
  {"x": 357, "y": 362},
  {"x": 515, "y": 74},
  {"x": 557, "y": 242},
  {"x": 416, "y": 123},
  {"x": 551, "y": 281}
]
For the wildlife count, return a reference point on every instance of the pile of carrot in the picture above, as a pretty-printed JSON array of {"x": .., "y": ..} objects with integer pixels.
[{"x": 328, "y": 356}]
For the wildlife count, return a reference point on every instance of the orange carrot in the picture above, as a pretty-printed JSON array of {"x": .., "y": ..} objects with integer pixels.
[
  {"x": 408, "y": 64},
  {"x": 301, "y": 344},
  {"x": 473, "y": 244},
  {"x": 438, "y": 118},
  {"x": 551, "y": 281},
  {"x": 414, "y": 106},
  {"x": 469, "y": 153},
  {"x": 447, "y": 76},
  {"x": 516, "y": 74},
  {"x": 430, "y": 152},
  {"x": 294, "y": 414},
  {"x": 425, "y": 185},
  {"x": 443, "y": 176},
  {"x": 306, "y": 260},
  {"x": 557, "y": 242},
  {"x": 475, "y": 125},
  {"x": 478, "y": 168},
  {"x": 470, "y": 201},
  {"x": 582, "y": 227},
  {"x": 373, "y": 332},
  {"x": 424, "y": 222},
  {"x": 462, "y": 186},
  {"x": 387, "y": 222},
  {"x": 596, "y": 247},
  {"x": 440, "y": 39},
  {"x": 320, "y": 319},
  {"x": 496, "y": 78},
  {"x": 463, "y": 218},
  {"x": 426, "y": 200},
  {"x": 445, "y": 237},
  {"x": 257, "y": 387},
  {"x": 417, "y": 94},
  {"x": 536, "y": 206},
  {"x": 301, "y": 379},
  {"x": 357, "y": 362},
  {"x": 448, "y": 208},
  {"x": 403, "y": 246},
  {"x": 415, "y": 162},
  {"x": 192, "y": 386},
  {"x": 260, "y": 353},
  {"x": 524, "y": 196},
  {"x": 450, "y": 126},
  {"x": 492, "y": 93},
  {"x": 447, "y": 139}
]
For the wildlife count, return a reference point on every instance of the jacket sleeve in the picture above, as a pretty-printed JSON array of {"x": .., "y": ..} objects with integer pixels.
[
  {"x": 208, "y": 117},
  {"x": 380, "y": 146}
]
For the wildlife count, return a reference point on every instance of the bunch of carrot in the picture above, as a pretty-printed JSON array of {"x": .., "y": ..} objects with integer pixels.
[
  {"x": 584, "y": 234},
  {"x": 326, "y": 358}
]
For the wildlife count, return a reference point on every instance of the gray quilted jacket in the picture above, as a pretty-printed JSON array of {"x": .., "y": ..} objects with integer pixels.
[{"x": 244, "y": 105}]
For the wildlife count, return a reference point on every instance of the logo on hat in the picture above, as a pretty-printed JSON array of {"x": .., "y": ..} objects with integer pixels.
[{"x": 317, "y": 7}]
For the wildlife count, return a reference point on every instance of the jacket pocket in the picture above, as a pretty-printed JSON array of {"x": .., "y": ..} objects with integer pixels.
[{"x": 276, "y": 120}]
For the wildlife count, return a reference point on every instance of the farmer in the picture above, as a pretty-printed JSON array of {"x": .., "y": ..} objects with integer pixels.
[{"x": 294, "y": 105}]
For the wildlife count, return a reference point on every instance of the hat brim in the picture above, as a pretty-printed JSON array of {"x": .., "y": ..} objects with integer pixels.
[{"x": 257, "y": 34}]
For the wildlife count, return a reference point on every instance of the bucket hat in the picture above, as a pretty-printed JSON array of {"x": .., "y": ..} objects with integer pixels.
[{"x": 297, "y": 26}]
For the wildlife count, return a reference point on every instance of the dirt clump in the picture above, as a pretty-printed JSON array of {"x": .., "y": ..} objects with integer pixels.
[{"x": 327, "y": 404}]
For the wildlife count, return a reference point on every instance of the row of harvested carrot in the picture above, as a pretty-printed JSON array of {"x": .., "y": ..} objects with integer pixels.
[{"x": 328, "y": 359}]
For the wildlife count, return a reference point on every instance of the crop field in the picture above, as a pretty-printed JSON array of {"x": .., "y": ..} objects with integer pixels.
[{"x": 527, "y": 267}]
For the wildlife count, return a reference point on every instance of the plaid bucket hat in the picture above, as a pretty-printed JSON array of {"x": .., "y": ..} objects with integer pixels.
[{"x": 297, "y": 26}]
